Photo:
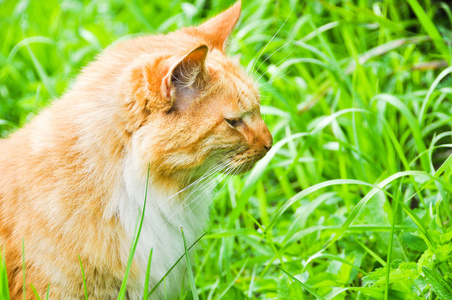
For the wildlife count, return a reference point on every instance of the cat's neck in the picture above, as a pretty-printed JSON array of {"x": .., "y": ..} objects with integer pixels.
[{"x": 166, "y": 210}]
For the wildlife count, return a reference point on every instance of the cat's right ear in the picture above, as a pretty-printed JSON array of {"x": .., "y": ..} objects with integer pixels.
[
  {"x": 184, "y": 78},
  {"x": 217, "y": 30}
]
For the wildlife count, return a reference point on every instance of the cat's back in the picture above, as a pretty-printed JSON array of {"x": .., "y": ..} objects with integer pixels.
[{"x": 15, "y": 152}]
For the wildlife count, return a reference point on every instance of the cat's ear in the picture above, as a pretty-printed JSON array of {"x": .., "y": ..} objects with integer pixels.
[
  {"x": 184, "y": 77},
  {"x": 217, "y": 30}
]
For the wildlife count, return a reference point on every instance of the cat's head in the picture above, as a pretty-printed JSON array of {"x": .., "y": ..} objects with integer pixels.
[{"x": 191, "y": 107}]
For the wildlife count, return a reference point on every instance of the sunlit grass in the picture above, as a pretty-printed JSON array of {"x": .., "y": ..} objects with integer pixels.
[{"x": 354, "y": 199}]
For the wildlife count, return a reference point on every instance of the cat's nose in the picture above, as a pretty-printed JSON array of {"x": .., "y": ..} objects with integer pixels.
[{"x": 267, "y": 139}]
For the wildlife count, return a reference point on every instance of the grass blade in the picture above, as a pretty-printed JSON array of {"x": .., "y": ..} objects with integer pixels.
[
  {"x": 122, "y": 291},
  {"x": 83, "y": 277},
  {"x": 414, "y": 125},
  {"x": 430, "y": 28},
  {"x": 35, "y": 292},
  {"x": 308, "y": 191},
  {"x": 4, "y": 290},
  {"x": 359, "y": 207},
  {"x": 435, "y": 83},
  {"x": 148, "y": 273},
  {"x": 233, "y": 281},
  {"x": 172, "y": 267},
  {"x": 390, "y": 246},
  {"x": 303, "y": 285},
  {"x": 190, "y": 271}
]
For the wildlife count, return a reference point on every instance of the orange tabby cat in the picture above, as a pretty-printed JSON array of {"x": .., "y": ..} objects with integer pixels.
[{"x": 72, "y": 182}]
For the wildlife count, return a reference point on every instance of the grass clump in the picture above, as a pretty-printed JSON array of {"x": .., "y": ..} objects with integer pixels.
[{"x": 354, "y": 199}]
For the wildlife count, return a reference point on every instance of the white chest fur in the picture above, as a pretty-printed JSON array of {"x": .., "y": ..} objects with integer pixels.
[{"x": 165, "y": 213}]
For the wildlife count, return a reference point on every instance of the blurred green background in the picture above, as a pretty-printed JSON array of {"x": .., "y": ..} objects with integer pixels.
[{"x": 354, "y": 199}]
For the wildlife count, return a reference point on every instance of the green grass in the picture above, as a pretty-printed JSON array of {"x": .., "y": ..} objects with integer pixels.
[
  {"x": 4, "y": 292},
  {"x": 354, "y": 199}
]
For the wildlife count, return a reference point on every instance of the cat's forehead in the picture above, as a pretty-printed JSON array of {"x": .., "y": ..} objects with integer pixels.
[
  {"x": 237, "y": 86},
  {"x": 242, "y": 95},
  {"x": 247, "y": 95}
]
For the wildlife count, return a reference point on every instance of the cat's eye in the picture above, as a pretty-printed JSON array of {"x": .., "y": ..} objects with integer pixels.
[{"x": 234, "y": 122}]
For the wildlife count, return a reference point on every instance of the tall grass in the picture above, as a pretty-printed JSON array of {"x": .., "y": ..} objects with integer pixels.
[{"x": 354, "y": 199}]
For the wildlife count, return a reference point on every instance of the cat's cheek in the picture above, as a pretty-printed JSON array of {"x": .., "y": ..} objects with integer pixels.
[
  {"x": 141, "y": 151},
  {"x": 165, "y": 164}
]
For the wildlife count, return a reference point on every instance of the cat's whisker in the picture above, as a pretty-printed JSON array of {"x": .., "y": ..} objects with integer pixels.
[
  {"x": 268, "y": 57},
  {"x": 182, "y": 206},
  {"x": 178, "y": 209},
  {"x": 225, "y": 167},
  {"x": 209, "y": 173},
  {"x": 200, "y": 197},
  {"x": 212, "y": 170},
  {"x": 207, "y": 181},
  {"x": 281, "y": 61},
  {"x": 207, "y": 177},
  {"x": 279, "y": 77},
  {"x": 268, "y": 43}
]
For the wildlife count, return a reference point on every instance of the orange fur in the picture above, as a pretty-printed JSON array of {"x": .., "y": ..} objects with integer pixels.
[{"x": 158, "y": 101}]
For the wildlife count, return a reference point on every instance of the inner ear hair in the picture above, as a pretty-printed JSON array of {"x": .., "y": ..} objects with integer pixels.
[
  {"x": 183, "y": 82},
  {"x": 191, "y": 69},
  {"x": 187, "y": 74}
]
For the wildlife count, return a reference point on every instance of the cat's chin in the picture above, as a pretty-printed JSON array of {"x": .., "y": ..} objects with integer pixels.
[
  {"x": 243, "y": 162},
  {"x": 240, "y": 167}
]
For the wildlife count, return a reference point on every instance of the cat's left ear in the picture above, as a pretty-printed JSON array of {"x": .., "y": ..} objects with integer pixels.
[{"x": 217, "y": 30}]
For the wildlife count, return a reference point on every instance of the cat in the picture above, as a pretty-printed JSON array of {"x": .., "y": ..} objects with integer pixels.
[{"x": 171, "y": 109}]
